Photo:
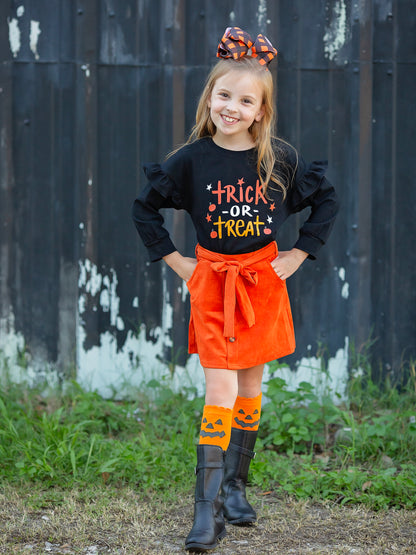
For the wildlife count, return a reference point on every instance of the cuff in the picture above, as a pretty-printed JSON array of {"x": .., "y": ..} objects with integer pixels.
[
  {"x": 160, "y": 249},
  {"x": 309, "y": 244}
]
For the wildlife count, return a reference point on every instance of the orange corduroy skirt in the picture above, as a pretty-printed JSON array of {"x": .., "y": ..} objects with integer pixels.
[{"x": 240, "y": 310}]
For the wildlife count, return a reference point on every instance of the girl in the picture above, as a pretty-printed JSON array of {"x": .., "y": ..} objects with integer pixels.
[{"x": 239, "y": 184}]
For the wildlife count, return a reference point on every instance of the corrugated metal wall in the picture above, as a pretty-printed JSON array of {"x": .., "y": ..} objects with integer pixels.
[{"x": 89, "y": 90}]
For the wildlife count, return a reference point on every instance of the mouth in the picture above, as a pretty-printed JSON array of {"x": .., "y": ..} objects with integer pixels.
[{"x": 228, "y": 119}]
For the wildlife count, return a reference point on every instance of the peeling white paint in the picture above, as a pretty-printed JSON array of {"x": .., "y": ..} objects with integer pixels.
[
  {"x": 105, "y": 300},
  {"x": 262, "y": 15},
  {"x": 232, "y": 17},
  {"x": 336, "y": 32},
  {"x": 14, "y": 36},
  {"x": 345, "y": 291},
  {"x": 86, "y": 69},
  {"x": 34, "y": 37},
  {"x": 114, "y": 303},
  {"x": 112, "y": 369},
  {"x": 109, "y": 369},
  {"x": 330, "y": 381},
  {"x": 185, "y": 292},
  {"x": 16, "y": 364},
  {"x": 81, "y": 304},
  {"x": 104, "y": 288},
  {"x": 135, "y": 302},
  {"x": 89, "y": 277},
  {"x": 12, "y": 344},
  {"x": 167, "y": 311}
]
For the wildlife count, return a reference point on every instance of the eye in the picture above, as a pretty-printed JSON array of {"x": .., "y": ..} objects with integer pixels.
[
  {"x": 223, "y": 94},
  {"x": 247, "y": 101}
]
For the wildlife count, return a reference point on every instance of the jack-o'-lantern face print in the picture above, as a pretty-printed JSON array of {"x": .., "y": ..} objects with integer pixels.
[
  {"x": 210, "y": 429},
  {"x": 247, "y": 420}
]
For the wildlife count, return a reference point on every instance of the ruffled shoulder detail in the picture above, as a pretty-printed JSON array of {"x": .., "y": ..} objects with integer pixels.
[
  {"x": 307, "y": 181},
  {"x": 161, "y": 182}
]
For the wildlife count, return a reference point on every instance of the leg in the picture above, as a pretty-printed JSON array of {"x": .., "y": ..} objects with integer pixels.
[
  {"x": 245, "y": 422},
  {"x": 221, "y": 387},
  {"x": 221, "y": 392},
  {"x": 249, "y": 381}
]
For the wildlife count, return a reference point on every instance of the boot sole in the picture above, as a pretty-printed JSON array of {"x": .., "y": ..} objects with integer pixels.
[
  {"x": 200, "y": 547},
  {"x": 242, "y": 521}
]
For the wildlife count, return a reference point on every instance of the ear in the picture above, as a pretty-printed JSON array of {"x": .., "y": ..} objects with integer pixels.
[{"x": 260, "y": 114}]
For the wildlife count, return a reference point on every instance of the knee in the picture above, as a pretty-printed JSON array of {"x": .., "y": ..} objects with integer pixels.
[
  {"x": 249, "y": 381},
  {"x": 221, "y": 393},
  {"x": 249, "y": 392}
]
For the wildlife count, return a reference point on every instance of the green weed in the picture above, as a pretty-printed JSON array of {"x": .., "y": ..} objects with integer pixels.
[
  {"x": 308, "y": 447},
  {"x": 297, "y": 420}
]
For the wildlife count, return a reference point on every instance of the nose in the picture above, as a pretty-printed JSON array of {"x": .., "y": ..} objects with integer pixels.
[{"x": 231, "y": 108}]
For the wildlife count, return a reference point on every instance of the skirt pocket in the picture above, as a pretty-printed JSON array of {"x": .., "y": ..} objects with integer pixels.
[
  {"x": 193, "y": 280},
  {"x": 275, "y": 276}
]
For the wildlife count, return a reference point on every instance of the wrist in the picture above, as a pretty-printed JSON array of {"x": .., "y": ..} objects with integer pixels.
[
  {"x": 300, "y": 255},
  {"x": 172, "y": 259}
]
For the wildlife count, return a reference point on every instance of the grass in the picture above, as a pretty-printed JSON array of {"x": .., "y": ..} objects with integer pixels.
[
  {"x": 308, "y": 447},
  {"x": 80, "y": 437},
  {"x": 75, "y": 457}
]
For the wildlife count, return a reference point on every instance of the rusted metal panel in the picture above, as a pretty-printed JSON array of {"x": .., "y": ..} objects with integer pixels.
[{"x": 91, "y": 90}]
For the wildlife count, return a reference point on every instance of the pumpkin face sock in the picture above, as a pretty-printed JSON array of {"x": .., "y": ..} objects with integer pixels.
[
  {"x": 215, "y": 426},
  {"x": 246, "y": 413}
]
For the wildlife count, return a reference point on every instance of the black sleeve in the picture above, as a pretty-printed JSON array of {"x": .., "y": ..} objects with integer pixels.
[
  {"x": 311, "y": 188},
  {"x": 159, "y": 193}
]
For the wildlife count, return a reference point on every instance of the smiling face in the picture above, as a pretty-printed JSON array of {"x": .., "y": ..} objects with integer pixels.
[
  {"x": 245, "y": 420},
  {"x": 235, "y": 103},
  {"x": 209, "y": 429}
]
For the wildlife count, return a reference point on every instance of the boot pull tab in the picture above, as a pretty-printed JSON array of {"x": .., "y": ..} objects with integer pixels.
[
  {"x": 213, "y": 464},
  {"x": 242, "y": 450}
]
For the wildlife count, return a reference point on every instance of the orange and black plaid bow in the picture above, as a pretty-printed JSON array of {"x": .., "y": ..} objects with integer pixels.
[{"x": 236, "y": 43}]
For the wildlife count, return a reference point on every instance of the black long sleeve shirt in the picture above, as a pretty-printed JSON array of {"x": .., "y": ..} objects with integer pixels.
[{"x": 221, "y": 191}]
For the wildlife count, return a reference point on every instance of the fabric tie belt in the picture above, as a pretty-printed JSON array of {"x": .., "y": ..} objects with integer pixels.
[{"x": 238, "y": 275}]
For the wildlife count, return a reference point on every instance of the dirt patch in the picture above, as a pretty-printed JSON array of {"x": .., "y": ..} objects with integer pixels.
[{"x": 125, "y": 524}]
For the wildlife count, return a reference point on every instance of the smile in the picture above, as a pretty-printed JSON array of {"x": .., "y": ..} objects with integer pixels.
[
  {"x": 228, "y": 119},
  {"x": 246, "y": 424}
]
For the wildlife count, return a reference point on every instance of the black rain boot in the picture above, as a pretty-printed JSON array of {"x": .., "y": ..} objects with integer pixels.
[
  {"x": 209, "y": 524},
  {"x": 237, "y": 509}
]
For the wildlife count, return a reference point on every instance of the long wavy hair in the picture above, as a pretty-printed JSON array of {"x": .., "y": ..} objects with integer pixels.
[{"x": 262, "y": 132}]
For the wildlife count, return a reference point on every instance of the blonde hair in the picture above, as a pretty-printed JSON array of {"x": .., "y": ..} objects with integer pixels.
[{"x": 261, "y": 131}]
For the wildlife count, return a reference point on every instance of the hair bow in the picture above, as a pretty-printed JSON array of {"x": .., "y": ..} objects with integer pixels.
[{"x": 237, "y": 43}]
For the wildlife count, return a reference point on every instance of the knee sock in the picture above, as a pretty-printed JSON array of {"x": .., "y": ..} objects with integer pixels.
[
  {"x": 246, "y": 413},
  {"x": 215, "y": 426}
]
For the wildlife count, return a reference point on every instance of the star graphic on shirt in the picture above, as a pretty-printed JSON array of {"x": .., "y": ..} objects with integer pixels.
[
  {"x": 269, "y": 219},
  {"x": 272, "y": 206},
  {"x": 208, "y": 218},
  {"x": 209, "y": 187},
  {"x": 240, "y": 181}
]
